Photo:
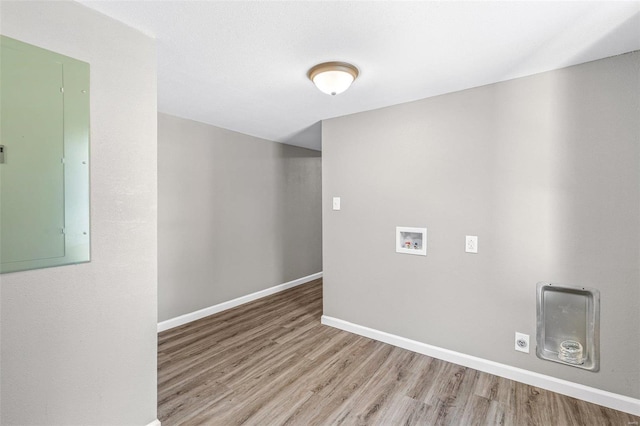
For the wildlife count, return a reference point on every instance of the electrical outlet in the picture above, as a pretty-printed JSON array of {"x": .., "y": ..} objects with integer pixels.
[
  {"x": 522, "y": 342},
  {"x": 471, "y": 244}
]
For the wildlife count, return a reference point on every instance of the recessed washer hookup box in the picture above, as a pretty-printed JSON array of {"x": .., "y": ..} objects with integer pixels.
[{"x": 410, "y": 240}]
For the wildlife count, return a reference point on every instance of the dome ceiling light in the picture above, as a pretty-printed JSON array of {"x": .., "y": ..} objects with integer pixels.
[{"x": 333, "y": 78}]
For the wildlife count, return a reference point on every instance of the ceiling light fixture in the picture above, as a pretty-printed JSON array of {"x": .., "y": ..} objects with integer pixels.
[{"x": 333, "y": 78}]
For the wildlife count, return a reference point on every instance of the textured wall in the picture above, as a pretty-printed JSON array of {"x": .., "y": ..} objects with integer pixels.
[
  {"x": 237, "y": 214},
  {"x": 79, "y": 342},
  {"x": 544, "y": 170}
]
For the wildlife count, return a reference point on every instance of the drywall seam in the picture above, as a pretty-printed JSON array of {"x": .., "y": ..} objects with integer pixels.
[
  {"x": 205, "y": 312},
  {"x": 575, "y": 390}
]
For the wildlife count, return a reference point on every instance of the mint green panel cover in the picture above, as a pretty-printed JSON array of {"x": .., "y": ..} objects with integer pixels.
[{"x": 44, "y": 179}]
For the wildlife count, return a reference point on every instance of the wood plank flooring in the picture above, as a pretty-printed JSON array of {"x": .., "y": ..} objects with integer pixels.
[{"x": 271, "y": 362}]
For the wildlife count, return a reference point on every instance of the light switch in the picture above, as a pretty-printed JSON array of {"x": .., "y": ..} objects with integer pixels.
[{"x": 336, "y": 203}]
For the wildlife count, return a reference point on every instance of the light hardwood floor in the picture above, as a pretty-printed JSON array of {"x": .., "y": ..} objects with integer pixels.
[{"x": 271, "y": 362}]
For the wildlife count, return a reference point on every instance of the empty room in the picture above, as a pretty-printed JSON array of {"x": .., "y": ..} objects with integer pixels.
[{"x": 319, "y": 213}]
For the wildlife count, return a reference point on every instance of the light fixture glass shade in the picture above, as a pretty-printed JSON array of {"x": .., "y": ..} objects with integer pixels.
[
  {"x": 333, "y": 78},
  {"x": 333, "y": 82}
]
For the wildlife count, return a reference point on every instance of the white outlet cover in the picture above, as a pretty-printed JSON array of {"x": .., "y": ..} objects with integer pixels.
[
  {"x": 522, "y": 342},
  {"x": 471, "y": 244}
]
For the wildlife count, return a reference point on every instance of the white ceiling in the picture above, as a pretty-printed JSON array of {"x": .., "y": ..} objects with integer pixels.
[{"x": 242, "y": 65}]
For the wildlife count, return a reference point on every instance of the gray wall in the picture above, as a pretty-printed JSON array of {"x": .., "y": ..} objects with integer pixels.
[
  {"x": 544, "y": 170},
  {"x": 237, "y": 214},
  {"x": 79, "y": 342}
]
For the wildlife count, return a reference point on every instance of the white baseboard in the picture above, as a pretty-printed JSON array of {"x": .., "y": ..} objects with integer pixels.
[
  {"x": 192, "y": 316},
  {"x": 156, "y": 422},
  {"x": 575, "y": 390}
]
